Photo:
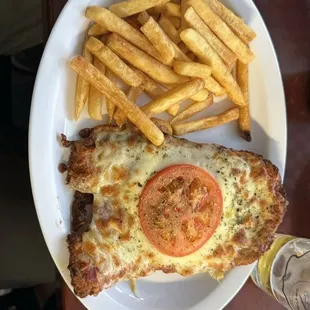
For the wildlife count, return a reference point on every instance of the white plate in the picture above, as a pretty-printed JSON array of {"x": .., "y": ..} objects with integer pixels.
[{"x": 52, "y": 112}]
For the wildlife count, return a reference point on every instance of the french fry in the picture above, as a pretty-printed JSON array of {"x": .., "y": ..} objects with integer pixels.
[
  {"x": 155, "y": 16},
  {"x": 220, "y": 48},
  {"x": 151, "y": 88},
  {"x": 244, "y": 120},
  {"x": 143, "y": 17},
  {"x": 95, "y": 96},
  {"x": 172, "y": 96},
  {"x": 159, "y": 9},
  {"x": 115, "y": 24},
  {"x": 214, "y": 87},
  {"x": 197, "y": 44},
  {"x": 205, "y": 123},
  {"x": 245, "y": 33},
  {"x": 172, "y": 9},
  {"x": 169, "y": 29},
  {"x": 113, "y": 62},
  {"x": 132, "y": 95},
  {"x": 184, "y": 7},
  {"x": 82, "y": 88},
  {"x": 171, "y": 32},
  {"x": 131, "y": 7},
  {"x": 232, "y": 70},
  {"x": 97, "y": 30},
  {"x": 176, "y": 1},
  {"x": 168, "y": 9},
  {"x": 110, "y": 105},
  {"x": 133, "y": 21},
  {"x": 193, "y": 69},
  {"x": 210, "y": 84},
  {"x": 103, "y": 84},
  {"x": 174, "y": 109},
  {"x": 95, "y": 103},
  {"x": 195, "y": 108},
  {"x": 164, "y": 126},
  {"x": 139, "y": 59},
  {"x": 201, "y": 95},
  {"x": 182, "y": 46},
  {"x": 218, "y": 26},
  {"x": 159, "y": 39},
  {"x": 175, "y": 21},
  {"x": 178, "y": 54}
]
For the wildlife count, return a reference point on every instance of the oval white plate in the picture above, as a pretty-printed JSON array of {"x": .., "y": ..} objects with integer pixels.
[{"x": 52, "y": 113}]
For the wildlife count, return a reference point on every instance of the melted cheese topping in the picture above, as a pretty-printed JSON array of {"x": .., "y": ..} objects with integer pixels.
[{"x": 116, "y": 243}]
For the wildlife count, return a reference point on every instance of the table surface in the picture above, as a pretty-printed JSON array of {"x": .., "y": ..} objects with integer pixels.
[{"x": 288, "y": 24}]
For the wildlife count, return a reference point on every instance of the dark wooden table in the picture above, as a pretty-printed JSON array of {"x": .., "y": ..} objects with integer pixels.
[{"x": 288, "y": 23}]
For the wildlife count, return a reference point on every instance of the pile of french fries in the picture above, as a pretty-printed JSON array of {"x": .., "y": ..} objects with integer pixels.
[{"x": 173, "y": 51}]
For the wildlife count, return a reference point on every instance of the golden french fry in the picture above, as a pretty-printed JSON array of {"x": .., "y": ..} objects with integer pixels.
[
  {"x": 113, "y": 62},
  {"x": 172, "y": 9},
  {"x": 97, "y": 30},
  {"x": 159, "y": 9},
  {"x": 173, "y": 34},
  {"x": 143, "y": 17},
  {"x": 193, "y": 69},
  {"x": 172, "y": 96},
  {"x": 174, "y": 109},
  {"x": 169, "y": 9},
  {"x": 155, "y": 16},
  {"x": 164, "y": 126},
  {"x": 159, "y": 39},
  {"x": 133, "y": 21},
  {"x": 102, "y": 83},
  {"x": 184, "y": 7},
  {"x": 214, "y": 87},
  {"x": 205, "y": 123},
  {"x": 232, "y": 70},
  {"x": 244, "y": 121},
  {"x": 195, "y": 108},
  {"x": 151, "y": 88},
  {"x": 176, "y": 1},
  {"x": 201, "y": 95},
  {"x": 139, "y": 59},
  {"x": 197, "y": 44},
  {"x": 223, "y": 32},
  {"x": 132, "y": 95},
  {"x": 110, "y": 105},
  {"x": 169, "y": 29},
  {"x": 95, "y": 103},
  {"x": 115, "y": 24},
  {"x": 131, "y": 7},
  {"x": 175, "y": 21},
  {"x": 245, "y": 33},
  {"x": 95, "y": 96},
  {"x": 220, "y": 48},
  {"x": 179, "y": 54},
  {"x": 182, "y": 46},
  {"x": 82, "y": 88}
]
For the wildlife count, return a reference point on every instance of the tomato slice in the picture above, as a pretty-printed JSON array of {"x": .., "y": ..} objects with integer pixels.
[{"x": 180, "y": 208}]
